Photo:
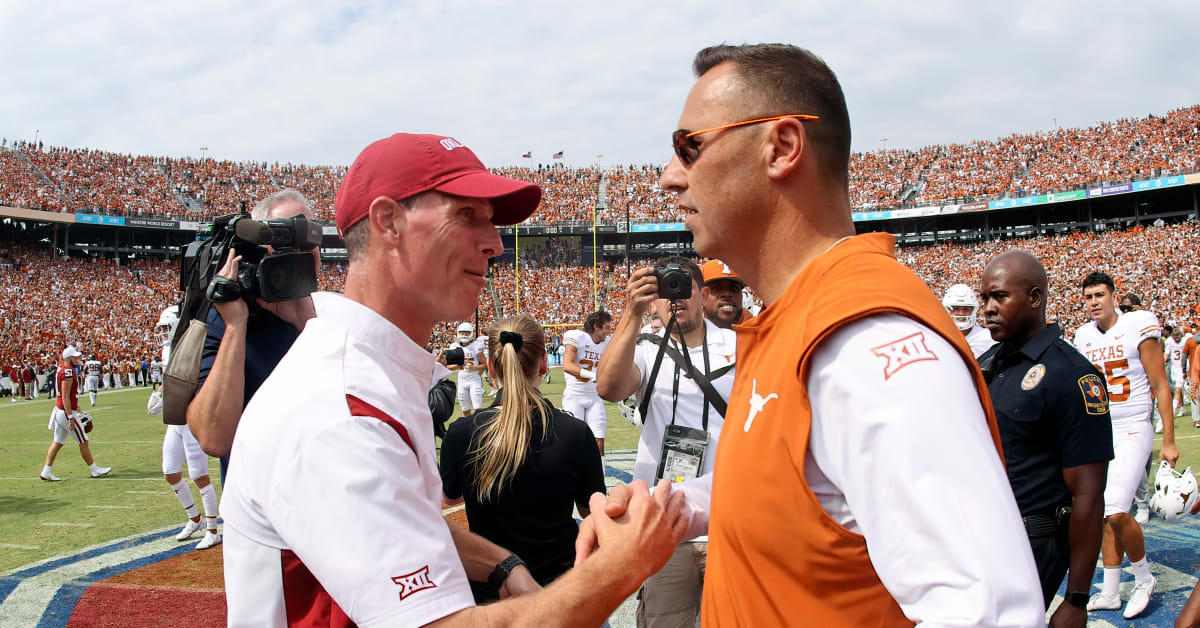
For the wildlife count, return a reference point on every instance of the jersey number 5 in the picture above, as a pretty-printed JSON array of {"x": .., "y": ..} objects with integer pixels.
[
  {"x": 1118, "y": 385},
  {"x": 585, "y": 364}
]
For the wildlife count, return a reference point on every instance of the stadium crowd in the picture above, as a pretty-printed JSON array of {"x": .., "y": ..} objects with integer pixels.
[
  {"x": 95, "y": 181},
  {"x": 103, "y": 309},
  {"x": 108, "y": 310}
]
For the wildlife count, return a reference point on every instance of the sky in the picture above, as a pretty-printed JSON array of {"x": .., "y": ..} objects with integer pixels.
[{"x": 602, "y": 82}]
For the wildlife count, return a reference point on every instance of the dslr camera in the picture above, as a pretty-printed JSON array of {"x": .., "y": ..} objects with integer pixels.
[
  {"x": 285, "y": 274},
  {"x": 674, "y": 282}
]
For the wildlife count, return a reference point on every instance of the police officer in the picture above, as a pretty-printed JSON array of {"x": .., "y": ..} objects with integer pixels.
[{"x": 1052, "y": 409}]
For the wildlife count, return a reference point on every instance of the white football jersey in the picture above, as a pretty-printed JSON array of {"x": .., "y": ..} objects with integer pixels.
[
  {"x": 92, "y": 368},
  {"x": 980, "y": 340},
  {"x": 156, "y": 366},
  {"x": 1115, "y": 353},
  {"x": 477, "y": 346},
  {"x": 587, "y": 355},
  {"x": 1174, "y": 353}
]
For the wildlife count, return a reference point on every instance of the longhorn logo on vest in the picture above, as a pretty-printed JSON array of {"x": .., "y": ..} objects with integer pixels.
[
  {"x": 414, "y": 582},
  {"x": 903, "y": 352},
  {"x": 449, "y": 143}
]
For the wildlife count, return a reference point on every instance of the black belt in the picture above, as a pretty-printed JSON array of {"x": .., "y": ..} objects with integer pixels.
[{"x": 1043, "y": 525}]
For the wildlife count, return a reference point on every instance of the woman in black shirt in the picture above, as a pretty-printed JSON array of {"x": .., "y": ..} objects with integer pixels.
[{"x": 522, "y": 464}]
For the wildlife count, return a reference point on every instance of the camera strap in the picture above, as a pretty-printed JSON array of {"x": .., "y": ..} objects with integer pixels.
[{"x": 702, "y": 380}]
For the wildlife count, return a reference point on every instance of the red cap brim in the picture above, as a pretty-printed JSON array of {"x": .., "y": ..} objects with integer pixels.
[{"x": 512, "y": 201}]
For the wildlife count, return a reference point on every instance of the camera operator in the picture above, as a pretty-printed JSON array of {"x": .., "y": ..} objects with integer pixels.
[
  {"x": 244, "y": 343},
  {"x": 675, "y": 410}
]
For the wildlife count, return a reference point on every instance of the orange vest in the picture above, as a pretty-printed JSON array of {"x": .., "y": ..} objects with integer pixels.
[{"x": 775, "y": 557}]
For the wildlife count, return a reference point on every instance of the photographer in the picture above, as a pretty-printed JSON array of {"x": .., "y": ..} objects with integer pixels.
[
  {"x": 244, "y": 343},
  {"x": 674, "y": 408}
]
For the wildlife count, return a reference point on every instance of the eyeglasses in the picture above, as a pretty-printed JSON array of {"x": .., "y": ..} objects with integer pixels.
[{"x": 687, "y": 148}]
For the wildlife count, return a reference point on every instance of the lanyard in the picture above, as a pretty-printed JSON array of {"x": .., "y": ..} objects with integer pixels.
[{"x": 675, "y": 384}]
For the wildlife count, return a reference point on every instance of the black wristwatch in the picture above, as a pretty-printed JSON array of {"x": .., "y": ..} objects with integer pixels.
[
  {"x": 1077, "y": 598},
  {"x": 500, "y": 573}
]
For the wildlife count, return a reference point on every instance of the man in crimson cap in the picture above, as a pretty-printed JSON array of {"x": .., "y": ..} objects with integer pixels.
[
  {"x": 723, "y": 295},
  {"x": 333, "y": 511}
]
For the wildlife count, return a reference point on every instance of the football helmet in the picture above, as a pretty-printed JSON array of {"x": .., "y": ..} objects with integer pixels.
[
  {"x": 85, "y": 419},
  {"x": 466, "y": 333},
  {"x": 960, "y": 295},
  {"x": 1174, "y": 492},
  {"x": 166, "y": 325}
]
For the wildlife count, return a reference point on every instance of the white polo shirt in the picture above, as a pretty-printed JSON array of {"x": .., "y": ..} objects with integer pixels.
[
  {"x": 333, "y": 503},
  {"x": 722, "y": 351}
]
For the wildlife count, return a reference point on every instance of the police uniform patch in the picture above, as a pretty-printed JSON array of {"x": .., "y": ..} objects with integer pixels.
[
  {"x": 1095, "y": 397},
  {"x": 1033, "y": 377}
]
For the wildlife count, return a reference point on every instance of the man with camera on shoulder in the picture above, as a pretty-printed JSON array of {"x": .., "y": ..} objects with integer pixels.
[
  {"x": 245, "y": 341},
  {"x": 681, "y": 388}
]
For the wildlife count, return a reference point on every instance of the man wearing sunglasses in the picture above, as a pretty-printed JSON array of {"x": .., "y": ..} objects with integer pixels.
[{"x": 859, "y": 481}]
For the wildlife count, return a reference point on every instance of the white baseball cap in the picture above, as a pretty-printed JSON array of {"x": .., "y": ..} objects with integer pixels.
[{"x": 71, "y": 352}]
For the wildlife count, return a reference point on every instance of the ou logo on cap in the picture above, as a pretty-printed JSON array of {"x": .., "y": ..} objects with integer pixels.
[{"x": 449, "y": 143}]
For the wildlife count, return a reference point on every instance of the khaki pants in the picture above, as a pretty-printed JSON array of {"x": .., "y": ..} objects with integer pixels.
[{"x": 671, "y": 597}]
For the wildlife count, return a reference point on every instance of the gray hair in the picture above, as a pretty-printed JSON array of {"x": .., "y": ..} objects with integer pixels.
[{"x": 262, "y": 209}]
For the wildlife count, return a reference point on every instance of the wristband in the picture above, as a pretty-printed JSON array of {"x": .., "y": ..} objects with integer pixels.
[
  {"x": 1078, "y": 599},
  {"x": 587, "y": 375},
  {"x": 505, "y": 567}
]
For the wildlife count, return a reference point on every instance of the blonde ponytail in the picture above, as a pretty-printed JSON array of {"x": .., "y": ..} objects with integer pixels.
[{"x": 515, "y": 347}]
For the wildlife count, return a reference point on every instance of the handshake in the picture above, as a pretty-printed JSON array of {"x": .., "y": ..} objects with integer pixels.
[{"x": 636, "y": 530}]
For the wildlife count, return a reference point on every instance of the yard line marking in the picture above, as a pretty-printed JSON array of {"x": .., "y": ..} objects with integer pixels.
[
  {"x": 144, "y": 492},
  {"x": 67, "y": 525},
  {"x": 109, "y": 507},
  {"x": 16, "y": 546}
]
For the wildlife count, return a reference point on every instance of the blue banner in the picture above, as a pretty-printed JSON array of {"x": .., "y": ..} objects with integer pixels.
[
  {"x": 861, "y": 216},
  {"x": 95, "y": 219},
  {"x": 663, "y": 226}
]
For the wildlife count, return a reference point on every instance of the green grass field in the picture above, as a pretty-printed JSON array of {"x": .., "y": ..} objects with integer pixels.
[
  {"x": 40, "y": 519},
  {"x": 43, "y": 519}
]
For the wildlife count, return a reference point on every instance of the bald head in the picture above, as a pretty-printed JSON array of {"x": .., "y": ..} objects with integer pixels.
[
  {"x": 1014, "y": 295},
  {"x": 1020, "y": 267}
]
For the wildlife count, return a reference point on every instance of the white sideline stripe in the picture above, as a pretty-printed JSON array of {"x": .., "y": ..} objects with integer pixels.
[
  {"x": 20, "y": 547},
  {"x": 106, "y": 479},
  {"x": 144, "y": 492},
  {"x": 106, "y": 442},
  {"x": 28, "y": 602},
  {"x": 110, "y": 507},
  {"x": 63, "y": 524}
]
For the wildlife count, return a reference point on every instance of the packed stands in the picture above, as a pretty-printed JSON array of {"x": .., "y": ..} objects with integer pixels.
[
  {"x": 109, "y": 310},
  {"x": 95, "y": 181},
  {"x": 1159, "y": 264}
]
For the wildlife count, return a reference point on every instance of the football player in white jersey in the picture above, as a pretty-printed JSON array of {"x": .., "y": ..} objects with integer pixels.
[
  {"x": 1173, "y": 350},
  {"x": 580, "y": 361},
  {"x": 91, "y": 381},
  {"x": 963, "y": 306},
  {"x": 1125, "y": 348},
  {"x": 179, "y": 445},
  {"x": 470, "y": 379}
]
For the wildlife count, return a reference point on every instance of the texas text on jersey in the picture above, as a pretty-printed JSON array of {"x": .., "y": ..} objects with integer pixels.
[
  {"x": 587, "y": 355},
  {"x": 1115, "y": 354}
]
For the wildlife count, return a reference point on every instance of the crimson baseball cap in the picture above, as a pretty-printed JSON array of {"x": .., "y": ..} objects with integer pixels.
[{"x": 405, "y": 164}]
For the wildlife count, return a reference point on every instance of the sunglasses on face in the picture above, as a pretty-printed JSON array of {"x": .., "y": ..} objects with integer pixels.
[
  {"x": 1125, "y": 308},
  {"x": 687, "y": 147}
]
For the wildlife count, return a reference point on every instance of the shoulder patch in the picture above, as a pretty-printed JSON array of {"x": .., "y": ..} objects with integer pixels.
[
  {"x": 1095, "y": 397},
  {"x": 903, "y": 352}
]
